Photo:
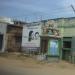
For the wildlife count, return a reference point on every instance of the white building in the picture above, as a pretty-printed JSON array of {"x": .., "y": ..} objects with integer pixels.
[{"x": 3, "y": 29}]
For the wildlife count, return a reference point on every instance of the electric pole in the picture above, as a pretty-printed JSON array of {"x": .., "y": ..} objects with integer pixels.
[{"x": 73, "y": 8}]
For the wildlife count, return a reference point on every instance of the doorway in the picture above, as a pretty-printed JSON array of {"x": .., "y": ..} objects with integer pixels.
[
  {"x": 1, "y": 41},
  {"x": 66, "y": 52},
  {"x": 44, "y": 45}
]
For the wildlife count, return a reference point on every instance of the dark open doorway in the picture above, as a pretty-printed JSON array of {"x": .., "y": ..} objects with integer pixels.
[
  {"x": 44, "y": 45},
  {"x": 1, "y": 41},
  {"x": 66, "y": 52}
]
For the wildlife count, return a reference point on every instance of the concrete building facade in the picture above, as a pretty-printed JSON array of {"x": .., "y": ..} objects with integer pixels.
[
  {"x": 10, "y": 35},
  {"x": 66, "y": 28},
  {"x": 48, "y": 35},
  {"x": 3, "y": 28}
]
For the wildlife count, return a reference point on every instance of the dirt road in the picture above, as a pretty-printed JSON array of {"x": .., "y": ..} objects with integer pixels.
[{"x": 9, "y": 66}]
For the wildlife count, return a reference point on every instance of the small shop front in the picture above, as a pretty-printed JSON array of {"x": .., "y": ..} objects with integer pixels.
[{"x": 51, "y": 46}]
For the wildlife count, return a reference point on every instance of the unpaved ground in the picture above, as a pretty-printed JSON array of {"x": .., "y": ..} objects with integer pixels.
[{"x": 20, "y": 65}]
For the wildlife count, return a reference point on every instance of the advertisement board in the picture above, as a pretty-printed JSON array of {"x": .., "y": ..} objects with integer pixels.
[
  {"x": 31, "y": 36},
  {"x": 53, "y": 47}
]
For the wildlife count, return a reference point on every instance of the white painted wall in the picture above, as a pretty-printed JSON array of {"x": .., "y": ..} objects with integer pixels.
[
  {"x": 34, "y": 42},
  {"x": 3, "y": 28}
]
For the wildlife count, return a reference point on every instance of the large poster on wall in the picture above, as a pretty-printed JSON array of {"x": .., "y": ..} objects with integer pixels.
[
  {"x": 54, "y": 47},
  {"x": 31, "y": 36}
]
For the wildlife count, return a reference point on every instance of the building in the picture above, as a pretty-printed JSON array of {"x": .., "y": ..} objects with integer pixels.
[
  {"x": 10, "y": 35},
  {"x": 3, "y": 28},
  {"x": 66, "y": 28},
  {"x": 13, "y": 38},
  {"x": 47, "y": 33},
  {"x": 51, "y": 40}
]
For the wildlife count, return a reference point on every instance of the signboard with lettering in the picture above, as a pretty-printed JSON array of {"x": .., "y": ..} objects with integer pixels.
[
  {"x": 31, "y": 36},
  {"x": 53, "y": 47}
]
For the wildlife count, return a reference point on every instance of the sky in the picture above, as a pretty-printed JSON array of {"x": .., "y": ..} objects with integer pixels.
[{"x": 33, "y": 10}]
